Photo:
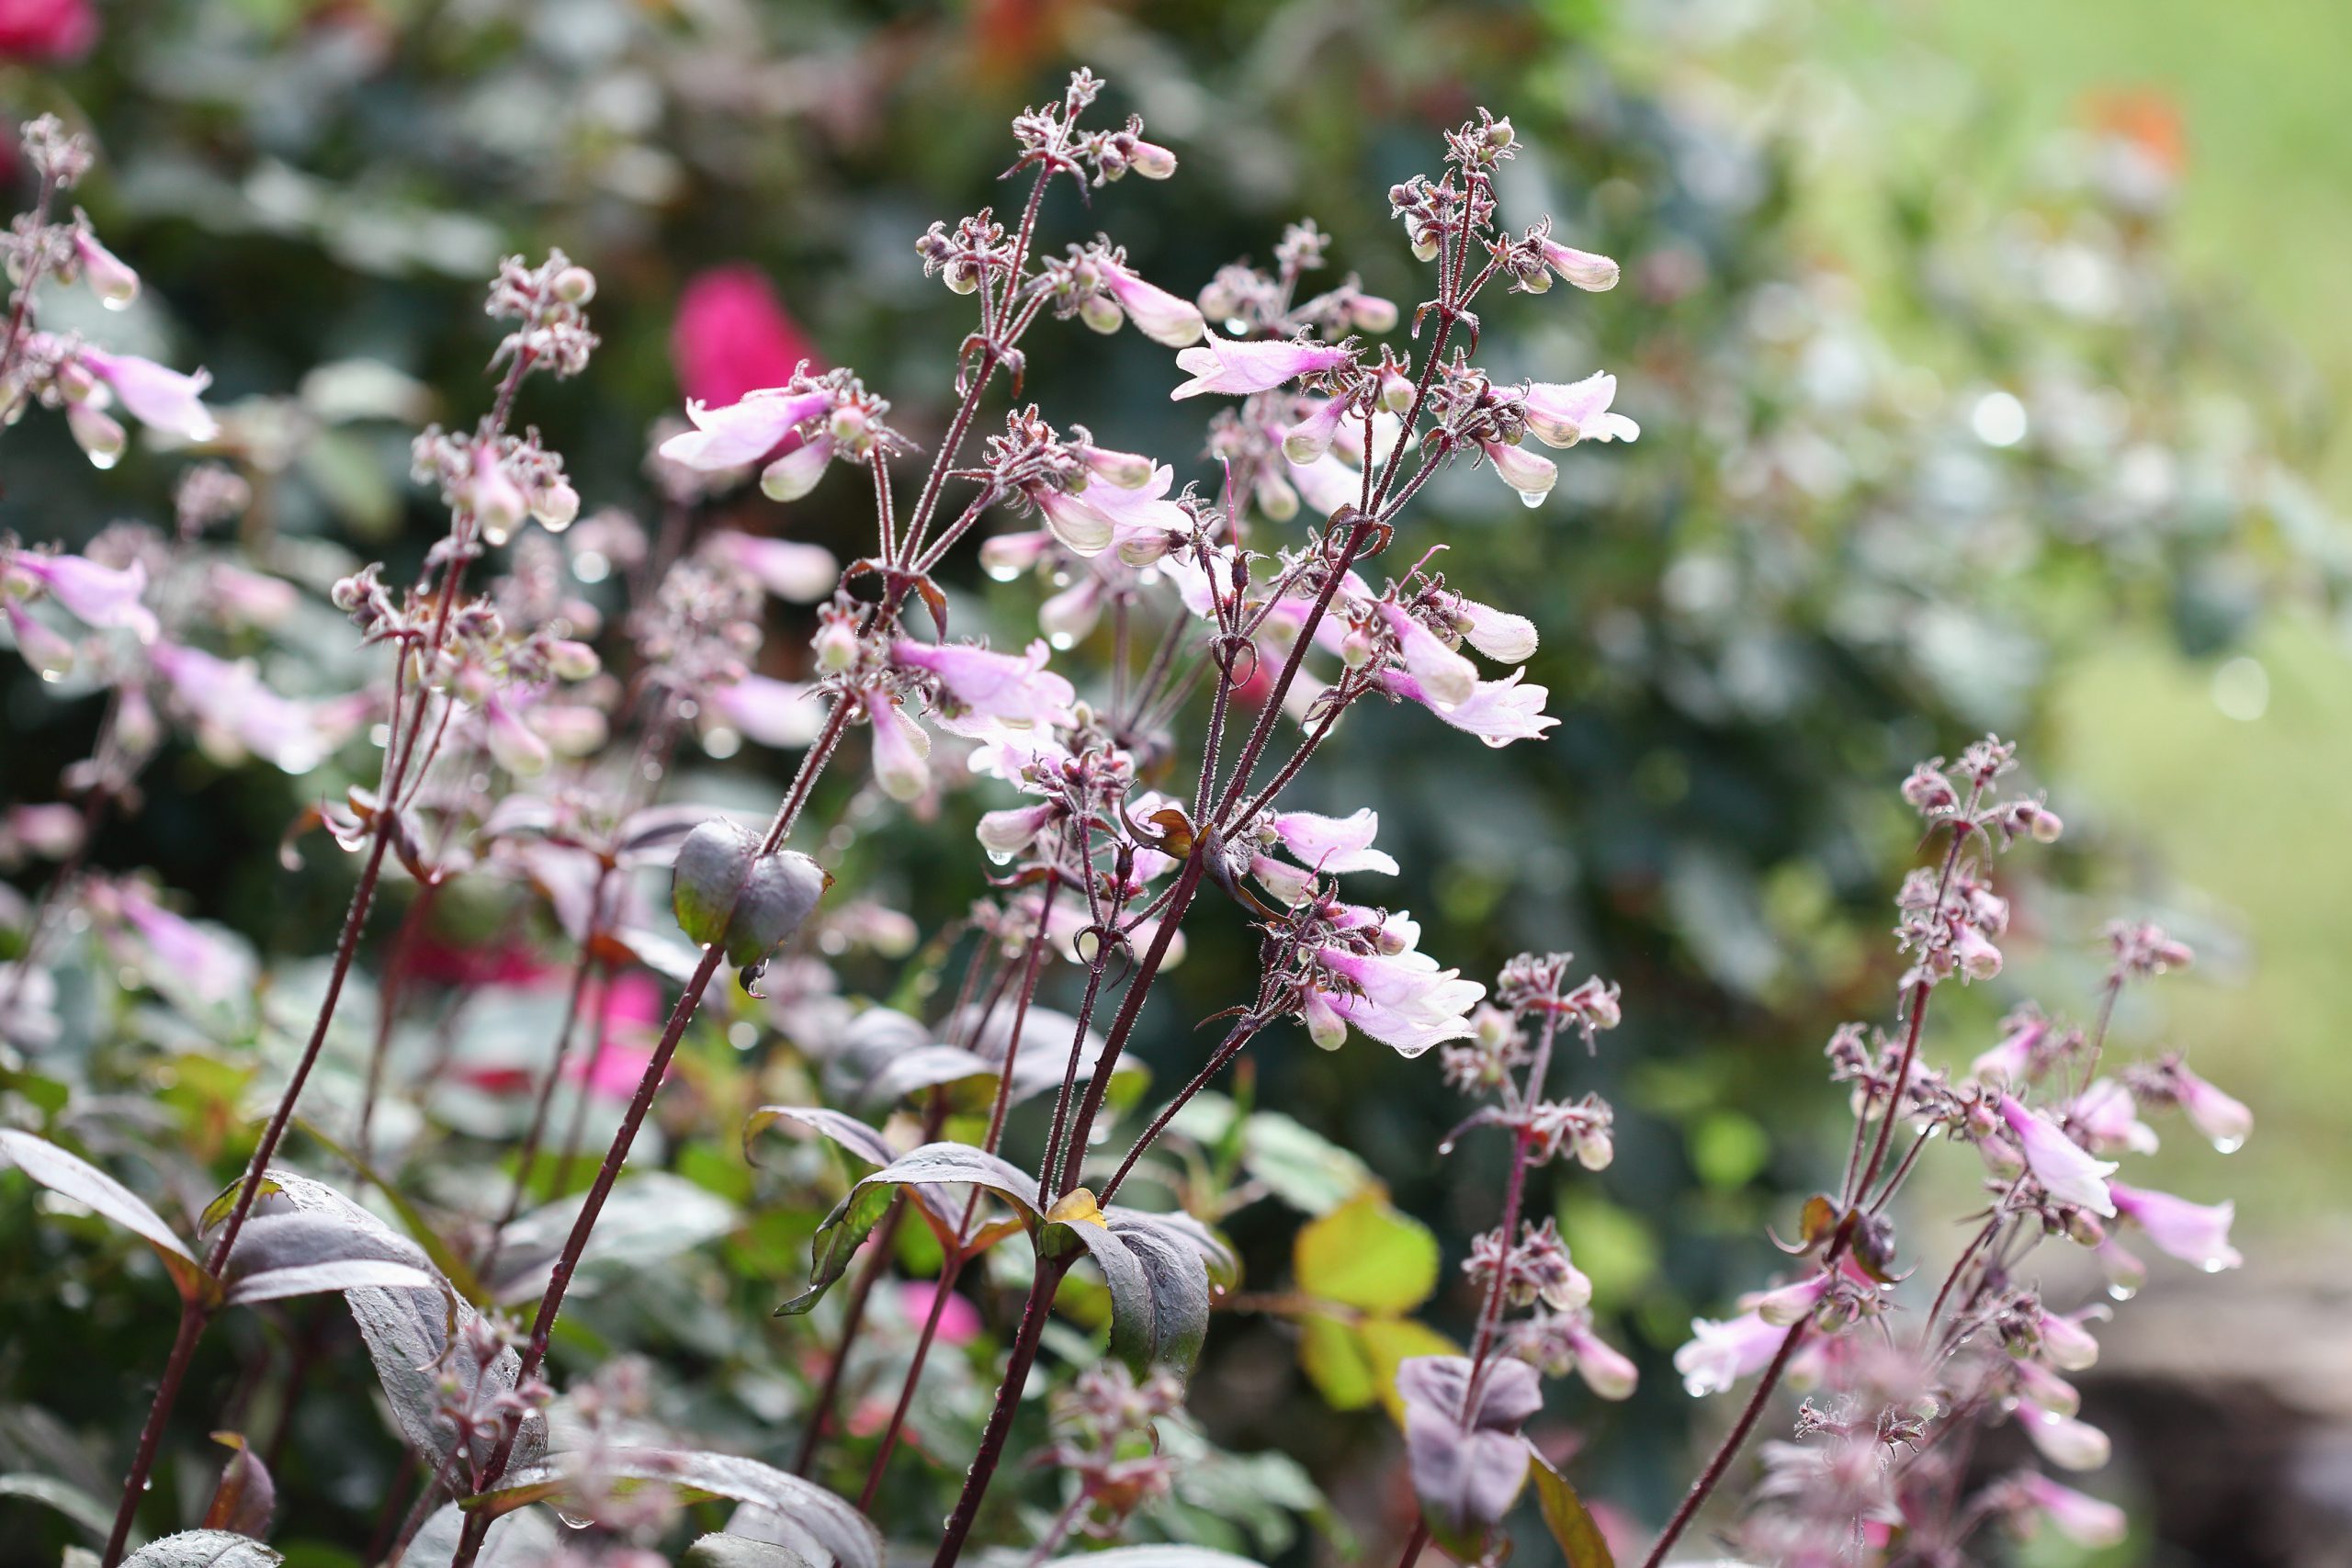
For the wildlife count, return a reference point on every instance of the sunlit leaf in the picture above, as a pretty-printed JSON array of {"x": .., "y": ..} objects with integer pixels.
[
  {"x": 1365, "y": 1254},
  {"x": 77, "y": 1179}
]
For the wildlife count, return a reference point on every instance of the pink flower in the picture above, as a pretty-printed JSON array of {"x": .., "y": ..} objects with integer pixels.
[
  {"x": 1334, "y": 844},
  {"x": 1311, "y": 437},
  {"x": 772, "y": 712},
  {"x": 2011, "y": 1061},
  {"x": 1158, "y": 314},
  {"x": 47, "y": 30},
  {"x": 1605, "y": 1370},
  {"x": 1594, "y": 273},
  {"x": 2223, "y": 1120},
  {"x": 733, "y": 335},
  {"x": 797, "y": 573},
  {"x": 901, "y": 750},
  {"x": 1326, "y": 483},
  {"x": 744, "y": 430},
  {"x": 1138, "y": 518},
  {"x": 1497, "y": 712},
  {"x": 2194, "y": 1233},
  {"x": 2064, "y": 1441},
  {"x": 513, "y": 744},
  {"x": 1502, "y": 637},
  {"x": 98, "y": 596},
  {"x": 2082, "y": 1519},
  {"x": 1444, "y": 675},
  {"x": 2064, "y": 1169},
  {"x": 1004, "y": 834},
  {"x": 236, "y": 711},
  {"x": 2065, "y": 1341},
  {"x": 1563, "y": 413},
  {"x": 1014, "y": 689},
  {"x": 2108, "y": 1115},
  {"x": 2037, "y": 1385},
  {"x": 1788, "y": 1304},
  {"x": 41, "y": 650},
  {"x": 959, "y": 1320},
  {"x": 1402, "y": 1000},
  {"x": 158, "y": 397},
  {"x": 1223, "y": 365},
  {"x": 190, "y": 955},
  {"x": 113, "y": 281},
  {"x": 1530, "y": 473},
  {"x": 1720, "y": 1354}
]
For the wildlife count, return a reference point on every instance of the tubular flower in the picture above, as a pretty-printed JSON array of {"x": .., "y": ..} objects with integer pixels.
[
  {"x": 1158, "y": 314},
  {"x": 97, "y": 595},
  {"x": 158, "y": 397},
  {"x": 1720, "y": 1354},
  {"x": 1223, "y": 365},
  {"x": 983, "y": 685},
  {"x": 1563, "y": 413},
  {"x": 743, "y": 433},
  {"x": 2194, "y": 1233},
  {"x": 2064, "y": 1167}
]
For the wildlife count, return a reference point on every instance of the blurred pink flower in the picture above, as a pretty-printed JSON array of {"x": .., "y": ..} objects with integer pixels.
[
  {"x": 733, "y": 335},
  {"x": 959, "y": 1320},
  {"x": 47, "y": 30}
]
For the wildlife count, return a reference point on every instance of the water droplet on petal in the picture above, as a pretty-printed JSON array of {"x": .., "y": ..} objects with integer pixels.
[
  {"x": 1530, "y": 498},
  {"x": 104, "y": 459},
  {"x": 2228, "y": 1145},
  {"x": 2122, "y": 1292},
  {"x": 1001, "y": 570}
]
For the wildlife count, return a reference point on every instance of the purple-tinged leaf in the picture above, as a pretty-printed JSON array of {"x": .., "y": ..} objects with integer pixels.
[
  {"x": 1565, "y": 1515},
  {"x": 204, "y": 1549},
  {"x": 77, "y": 1179},
  {"x": 934, "y": 1165},
  {"x": 838, "y": 1528},
  {"x": 316, "y": 1279},
  {"x": 247, "y": 1497}
]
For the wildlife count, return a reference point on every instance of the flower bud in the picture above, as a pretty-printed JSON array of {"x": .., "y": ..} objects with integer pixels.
[
  {"x": 1426, "y": 244},
  {"x": 50, "y": 655},
  {"x": 1499, "y": 133},
  {"x": 573, "y": 661},
  {"x": 498, "y": 505},
  {"x": 836, "y": 645},
  {"x": 1101, "y": 312},
  {"x": 1324, "y": 1024},
  {"x": 1371, "y": 313},
  {"x": 575, "y": 286},
  {"x": 112, "y": 281},
  {"x": 1151, "y": 161},
  {"x": 796, "y": 473},
  {"x": 961, "y": 278},
  {"x": 1395, "y": 392},
  {"x": 1276, "y": 499},
  {"x": 1536, "y": 280},
  {"x": 555, "y": 506},
  {"x": 1595, "y": 1149},
  {"x": 98, "y": 433}
]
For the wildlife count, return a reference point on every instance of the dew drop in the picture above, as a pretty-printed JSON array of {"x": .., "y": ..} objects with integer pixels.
[
  {"x": 1530, "y": 500},
  {"x": 2228, "y": 1145},
  {"x": 103, "y": 460},
  {"x": 2212, "y": 1266},
  {"x": 1062, "y": 641},
  {"x": 1001, "y": 570},
  {"x": 2122, "y": 1292},
  {"x": 999, "y": 857}
]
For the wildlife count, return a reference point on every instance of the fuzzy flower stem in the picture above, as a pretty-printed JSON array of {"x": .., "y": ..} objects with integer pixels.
[
  {"x": 953, "y": 1265},
  {"x": 23, "y": 300},
  {"x": 1732, "y": 1443}
]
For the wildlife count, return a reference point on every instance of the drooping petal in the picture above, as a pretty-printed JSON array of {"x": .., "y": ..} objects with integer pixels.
[
  {"x": 741, "y": 433},
  {"x": 2064, "y": 1169}
]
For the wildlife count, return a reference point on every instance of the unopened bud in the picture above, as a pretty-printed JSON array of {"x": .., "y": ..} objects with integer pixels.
[
  {"x": 1101, "y": 312},
  {"x": 573, "y": 661},
  {"x": 575, "y": 286},
  {"x": 99, "y": 436}
]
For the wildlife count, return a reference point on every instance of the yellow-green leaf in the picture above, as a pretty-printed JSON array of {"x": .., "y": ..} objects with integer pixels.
[
  {"x": 1333, "y": 1357},
  {"x": 1565, "y": 1515},
  {"x": 1389, "y": 1341},
  {"x": 1365, "y": 1254}
]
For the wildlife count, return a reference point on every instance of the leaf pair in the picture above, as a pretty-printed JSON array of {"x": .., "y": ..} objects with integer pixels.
[
  {"x": 1158, "y": 1267},
  {"x": 727, "y": 895}
]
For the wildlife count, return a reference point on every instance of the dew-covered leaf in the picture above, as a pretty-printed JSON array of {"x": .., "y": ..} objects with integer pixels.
[
  {"x": 75, "y": 1178},
  {"x": 204, "y": 1549},
  {"x": 720, "y": 1550},
  {"x": 861, "y": 1142},
  {"x": 838, "y": 1528},
  {"x": 525, "y": 1538}
]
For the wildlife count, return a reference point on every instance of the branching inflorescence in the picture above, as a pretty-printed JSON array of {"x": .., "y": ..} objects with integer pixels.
[{"x": 1123, "y": 793}]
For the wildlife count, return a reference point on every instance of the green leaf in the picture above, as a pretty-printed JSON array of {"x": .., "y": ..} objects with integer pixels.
[
  {"x": 1365, "y": 1254},
  {"x": 77, "y": 1179},
  {"x": 1572, "y": 1526},
  {"x": 1336, "y": 1362},
  {"x": 1300, "y": 1166},
  {"x": 64, "y": 1497}
]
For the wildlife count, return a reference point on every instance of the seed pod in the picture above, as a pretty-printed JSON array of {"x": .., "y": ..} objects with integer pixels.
[{"x": 725, "y": 892}]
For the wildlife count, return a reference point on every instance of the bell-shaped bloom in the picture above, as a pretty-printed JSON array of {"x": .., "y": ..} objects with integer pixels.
[
  {"x": 901, "y": 750},
  {"x": 1081, "y": 528},
  {"x": 498, "y": 502},
  {"x": 513, "y": 744},
  {"x": 44, "y": 651},
  {"x": 2068, "y": 1345},
  {"x": 2065, "y": 1170},
  {"x": 1012, "y": 689},
  {"x": 2082, "y": 1519},
  {"x": 2037, "y": 1385},
  {"x": 1605, "y": 1370},
  {"x": 1720, "y": 1354},
  {"x": 1497, "y": 712},
  {"x": 1561, "y": 413},
  {"x": 2067, "y": 1441},
  {"x": 1333, "y": 844},
  {"x": 158, "y": 397},
  {"x": 236, "y": 711},
  {"x": 2011, "y": 1061},
  {"x": 1005, "y": 556},
  {"x": 2194, "y": 1233},
  {"x": 2108, "y": 1115},
  {"x": 733, "y": 335},
  {"x": 796, "y": 473},
  {"x": 772, "y": 712},
  {"x": 1530, "y": 473},
  {"x": 109, "y": 277},
  {"x": 97, "y": 595},
  {"x": 1225, "y": 364},
  {"x": 1594, "y": 273},
  {"x": 1788, "y": 1304},
  {"x": 1004, "y": 834},
  {"x": 1502, "y": 637},
  {"x": 1444, "y": 677},
  {"x": 1312, "y": 437},
  {"x": 2221, "y": 1119},
  {"x": 98, "y": 433},
  {"x": 744, "y": 432},
  {"x": 1138, "y": 518},
  {"x": 795, "y": 573},
  {"x": 1404, "y": 1000},
  {"x": 1975, "y": 952},
  {"x": 1161, "y": 316},
  {"x": 1128, "y": 471}
]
